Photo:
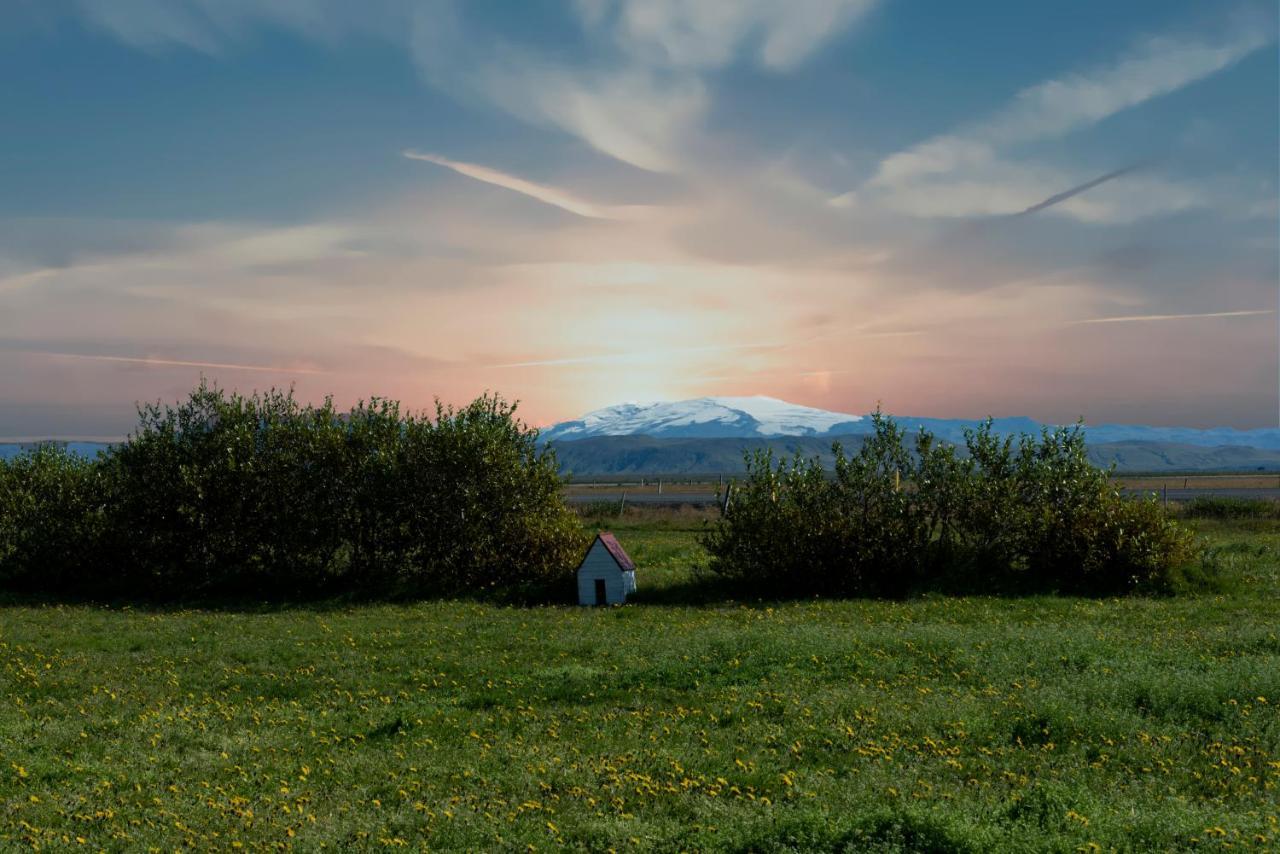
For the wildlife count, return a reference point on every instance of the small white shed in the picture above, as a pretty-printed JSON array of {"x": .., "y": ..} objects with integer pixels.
[{"x": 607, "y": 574}]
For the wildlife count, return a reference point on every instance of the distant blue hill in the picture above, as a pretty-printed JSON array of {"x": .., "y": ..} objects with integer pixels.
[
  {"x": 649, "y": 455},
  {"x": 1264, "y": 439}
]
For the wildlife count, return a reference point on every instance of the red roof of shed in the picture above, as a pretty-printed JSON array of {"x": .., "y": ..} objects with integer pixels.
[{"x": 616, "y": 550}]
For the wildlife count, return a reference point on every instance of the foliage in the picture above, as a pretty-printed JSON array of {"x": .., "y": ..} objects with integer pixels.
[
  {"x": 790, "y": 527},
  {"x": 229, "y": 495},
  {"x": 936, "y": 723},
  {"x": 1014, "y": 516},
  {"x": 51, "y": 516}
]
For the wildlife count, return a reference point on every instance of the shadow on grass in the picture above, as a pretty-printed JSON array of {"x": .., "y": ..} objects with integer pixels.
[
  {"x": 153, "y": 605},
  {"x": 701, "y": 588},
  {"x": 271, "y": 603}
]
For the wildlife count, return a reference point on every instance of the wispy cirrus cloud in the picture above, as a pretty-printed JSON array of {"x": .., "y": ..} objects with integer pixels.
[
  {"x": 638, "y": 94},
  {"x": 1062, "y": 105},
  {"x": 634, "y": 116},
  {"x": 1006, "y": 187},
  {"x": 553, "y": 196},
  {"x": 631, "y": 112},
  {"x": 712, "y": 33},
  {"x": 975, "y": 169},
  {"x": 158, "y": 362},
  {"x": 636, "y": 356},
  {"x": 1147, "y": 318},
  {"x": 645, "y": 102},
  {"x": 209, "y": 26}
]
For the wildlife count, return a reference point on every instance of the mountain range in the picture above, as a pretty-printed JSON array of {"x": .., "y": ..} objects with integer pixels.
[
  {"x": 709, "y": 435},
  {"x": 766, "y": 417}
]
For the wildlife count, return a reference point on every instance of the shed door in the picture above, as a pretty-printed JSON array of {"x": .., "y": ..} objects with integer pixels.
[{"x": 600, "y": 596}]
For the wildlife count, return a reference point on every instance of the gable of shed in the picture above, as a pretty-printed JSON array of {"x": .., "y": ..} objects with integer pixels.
[
  {"x": 599, "y": 560},
  {"x": 619, "y": 554}
]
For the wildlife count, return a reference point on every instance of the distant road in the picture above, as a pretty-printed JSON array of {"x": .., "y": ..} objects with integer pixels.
[
  {"x": 666, "y": 499},
  {"x": 674, "y": 498}
]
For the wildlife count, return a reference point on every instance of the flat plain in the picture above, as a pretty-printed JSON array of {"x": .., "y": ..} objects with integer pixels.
[
  {"x": 681, "y": 721},
  {"x": 702, "y": 490}
]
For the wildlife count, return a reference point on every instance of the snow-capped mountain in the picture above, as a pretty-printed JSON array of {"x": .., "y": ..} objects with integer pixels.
[
  {"x": 708, "y": 417},
  {"x": 767, "y": 417}
]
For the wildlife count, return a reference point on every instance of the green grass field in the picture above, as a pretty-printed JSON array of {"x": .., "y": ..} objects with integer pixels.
[{"x": 932, "y": 724}]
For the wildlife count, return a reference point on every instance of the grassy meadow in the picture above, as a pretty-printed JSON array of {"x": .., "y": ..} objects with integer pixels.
[{"x": 682, "y": 721}]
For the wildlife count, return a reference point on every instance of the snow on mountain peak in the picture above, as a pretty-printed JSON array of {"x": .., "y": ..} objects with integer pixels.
[
  {"x": 764, "y": 417},
  {"x": 704, "y": 417}
]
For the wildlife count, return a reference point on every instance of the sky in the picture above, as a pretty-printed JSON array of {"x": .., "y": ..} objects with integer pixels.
[{"x": 1056, "y": 209}]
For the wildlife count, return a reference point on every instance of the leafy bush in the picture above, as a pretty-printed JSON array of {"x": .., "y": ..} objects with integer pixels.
[
  {"x": 791, "y": 527},
  {"x": 1039, "y": 516},
  {"x": 226, "y": 493},
  {"x": 1005, "y": 516},
  {"x": 481, "y": 504},
  {"x": 232, "y": 495},
  {"x": 51, "y": 518}
]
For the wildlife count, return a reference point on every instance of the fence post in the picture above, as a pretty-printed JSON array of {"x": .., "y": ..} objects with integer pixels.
[
  {"x": 622, "y": 503},
  {"x": 728, "y": 492},
  {"x": 659, "y": 486},
  {"x": 1166, "y": 496}
]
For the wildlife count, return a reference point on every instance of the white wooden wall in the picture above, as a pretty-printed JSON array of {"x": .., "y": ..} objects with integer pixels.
[{"x": 600, "y": 564}]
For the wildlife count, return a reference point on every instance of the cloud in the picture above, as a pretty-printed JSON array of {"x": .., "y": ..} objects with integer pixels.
[
  {"x": 711, "y": 33},
  {"x": 27, "y": 279},
  {"x": 635, "y": 114},
  {"x": 638, "y": 356},
  {"x": 1000, "y": 188},
  {"x": 707, "y": 34},
  {"x": 1056, "y": 107},
  {"x": 972, "y": 170},
  {"x": 156, "y": 362},
  {"x": 637, "y": 92},
  {"x": 1144, "y": 318},
  {"x": 547, "y": 195},
  {"x": 634, "y": 91},
  {"x": 209, "y": 26}
]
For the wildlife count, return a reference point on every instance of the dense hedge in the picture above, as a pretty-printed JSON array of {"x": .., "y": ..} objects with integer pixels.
[
  {"x": 227, "y": 495},
  {"x": 1213, "y": 507},
  {"x": 1031, "y": 515}
]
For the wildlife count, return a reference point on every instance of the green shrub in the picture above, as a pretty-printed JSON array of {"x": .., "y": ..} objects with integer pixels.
[
  {"x": 1040, "y": 517},
  {"x": 1026, "y": 515},
  {"x": 480, "y": 503},
  {"x": 1209, "y": 507},
  {"x": 231, "y": 495},
  {"x": 790, "y": 527},
  {"x": 51, "y": 519},
  {"x": 226, "y": 493}
]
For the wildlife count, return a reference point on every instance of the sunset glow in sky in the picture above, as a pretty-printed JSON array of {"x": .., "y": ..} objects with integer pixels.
[{"x": 949, "y": 209}]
